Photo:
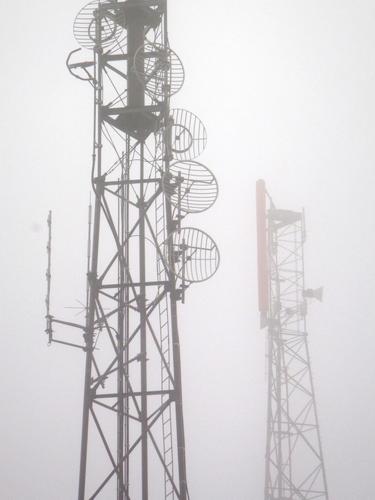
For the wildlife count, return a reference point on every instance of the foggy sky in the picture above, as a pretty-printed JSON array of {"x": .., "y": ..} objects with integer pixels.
[{"x": 286, "y": 91}]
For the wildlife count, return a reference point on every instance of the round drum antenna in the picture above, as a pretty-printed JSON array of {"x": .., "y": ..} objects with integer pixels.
[
  {"x": 195, "y": 256},
  {"x": 111, "y": 24},
  {"x": 190, "y": 186},
  {"x": 163, "y": 72}
]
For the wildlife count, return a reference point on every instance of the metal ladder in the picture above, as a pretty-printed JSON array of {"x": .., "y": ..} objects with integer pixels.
[{"x": 167, "y": 426}]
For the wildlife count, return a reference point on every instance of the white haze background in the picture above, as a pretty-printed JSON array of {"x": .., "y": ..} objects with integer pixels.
[{"x": 286, "y": 91}]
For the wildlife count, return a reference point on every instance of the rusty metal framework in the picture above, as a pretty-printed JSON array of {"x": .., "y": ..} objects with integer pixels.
[
  {"x": 294, "y": 459},
  {"x": 140, "y": 260}
]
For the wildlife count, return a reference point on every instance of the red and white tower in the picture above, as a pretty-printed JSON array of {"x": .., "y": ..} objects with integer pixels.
[{"x": 294, "y": 458}]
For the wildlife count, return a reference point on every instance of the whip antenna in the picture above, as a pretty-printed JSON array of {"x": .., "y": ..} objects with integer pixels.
[{"x": 48, "y": 277}]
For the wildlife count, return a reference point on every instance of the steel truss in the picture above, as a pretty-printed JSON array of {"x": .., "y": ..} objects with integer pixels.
[
  {"x": 133, "y": 444},
  {"x": 294, "y": 459}
]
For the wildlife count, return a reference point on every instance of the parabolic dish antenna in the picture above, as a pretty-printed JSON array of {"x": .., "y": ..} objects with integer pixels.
[
  {"x": 163, "y": 72},
  {"x": 190, "y": 186},
  {"x": 111, "y": 24},
  {"x": 189, "y": 136},
  {"x": 195, "y": 254}
]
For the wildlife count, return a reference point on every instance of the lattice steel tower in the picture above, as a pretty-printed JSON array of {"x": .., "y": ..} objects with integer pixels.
[
  {"x": 294, "y": 459},
  {"x": 141, "y": 260}
]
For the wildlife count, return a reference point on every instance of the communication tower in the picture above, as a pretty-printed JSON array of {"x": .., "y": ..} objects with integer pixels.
[
  {"x": 294, "y": 458},
  {"x": 141, "y": 260}
]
